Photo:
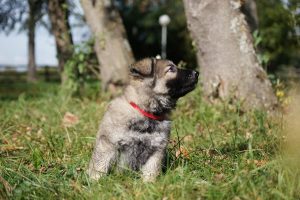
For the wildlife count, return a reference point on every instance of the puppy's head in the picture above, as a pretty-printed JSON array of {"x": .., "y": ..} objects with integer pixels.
[{"x": 163, "y": 77}]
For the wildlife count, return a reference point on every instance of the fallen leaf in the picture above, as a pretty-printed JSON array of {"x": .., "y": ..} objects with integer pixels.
[
  {"x": 182, "y": 152},
  {"x": 4, "y": 141},
  {"x": 42, "y": 169},
  {"x": 69, "y": 119},
  {"x": 260, "y": 163}
]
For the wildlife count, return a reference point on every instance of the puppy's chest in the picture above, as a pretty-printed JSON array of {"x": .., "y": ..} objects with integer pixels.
[{"x": 149, "y": 126}]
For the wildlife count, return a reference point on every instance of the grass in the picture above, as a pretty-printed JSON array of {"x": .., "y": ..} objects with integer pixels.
[{"x": 215, "y": 152}]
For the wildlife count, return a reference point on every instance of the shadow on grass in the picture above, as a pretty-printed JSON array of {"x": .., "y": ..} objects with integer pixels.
[
  {"x": 13, "y": 84},
  {"x": 12, "y": 91}
]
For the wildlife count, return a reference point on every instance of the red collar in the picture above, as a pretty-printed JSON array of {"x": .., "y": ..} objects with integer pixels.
[{"x": 145, "y": 113}]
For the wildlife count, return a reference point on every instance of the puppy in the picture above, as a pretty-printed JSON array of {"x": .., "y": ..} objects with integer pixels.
[{"x": 135, "y": 129}]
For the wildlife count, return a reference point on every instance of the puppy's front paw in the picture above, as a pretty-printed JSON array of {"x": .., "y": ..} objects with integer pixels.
[
  {"x": 94, "y": 175},
  {"x": 149, "y": 178}
]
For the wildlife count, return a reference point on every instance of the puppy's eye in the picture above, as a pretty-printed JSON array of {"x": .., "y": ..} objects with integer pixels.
[{"x": 171, "y": 68}]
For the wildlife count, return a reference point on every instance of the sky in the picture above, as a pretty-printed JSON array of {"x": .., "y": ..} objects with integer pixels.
[{"x": 13, "y": 51}]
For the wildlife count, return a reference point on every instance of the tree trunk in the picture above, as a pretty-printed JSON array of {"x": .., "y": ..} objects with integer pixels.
[
  {"x": 31, "y": 72},
  {"x": 228, "y": 65},
  {"x": 111, "y": 45},
  {"x": 58, "y": 13}
]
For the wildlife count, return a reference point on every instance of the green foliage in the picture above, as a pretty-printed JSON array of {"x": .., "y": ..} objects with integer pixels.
[
  {"x": 277, "y": 29},
  {"x": 214, "y": 153},
  {"x": 77, "y": 70},
  {"x": 37, "y": 158},
  {"x": 263, "y": 57}
]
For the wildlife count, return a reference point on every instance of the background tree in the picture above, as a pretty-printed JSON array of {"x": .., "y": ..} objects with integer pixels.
[
  {"x": 34, "y": 15},
  {"x": 111, "y": 45},
  {"x": 12, "y": 13},
  {"x": 59, "y": 12},
  {"x": 280, "y": 40},
  {"x": 228, "y": 64}
]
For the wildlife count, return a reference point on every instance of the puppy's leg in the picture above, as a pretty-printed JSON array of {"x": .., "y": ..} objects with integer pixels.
[
  {"x": 152, "y": 167},
  {"x": 103, "y": 157}
]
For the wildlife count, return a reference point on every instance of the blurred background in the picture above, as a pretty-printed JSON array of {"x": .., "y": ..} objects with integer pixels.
[{"x": 27, "y": 37}]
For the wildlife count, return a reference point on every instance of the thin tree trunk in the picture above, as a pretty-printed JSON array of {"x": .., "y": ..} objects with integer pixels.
[
  {"x": 31, "y": 72},
  {"x": 228, "y": 65},
  {"x": 58, "y": 13},
  {"x": 111, "y": 45}
]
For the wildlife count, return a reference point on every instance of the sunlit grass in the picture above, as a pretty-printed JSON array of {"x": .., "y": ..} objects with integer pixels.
[{"x": 216, "y": 152}]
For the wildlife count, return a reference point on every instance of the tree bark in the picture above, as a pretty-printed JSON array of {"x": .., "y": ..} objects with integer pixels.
[
  {"x": 229, "y": 68},
  {"x": 31, "y": 72},
  {"x": 58, "y": 13},
  {"x": 111, "y": 45}
]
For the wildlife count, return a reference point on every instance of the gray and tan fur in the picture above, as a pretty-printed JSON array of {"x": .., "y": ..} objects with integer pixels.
[{"x": 130, "y": 139}]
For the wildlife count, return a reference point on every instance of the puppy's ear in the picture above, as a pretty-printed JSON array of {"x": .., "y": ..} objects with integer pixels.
[{"x": 143, "y": 68}]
